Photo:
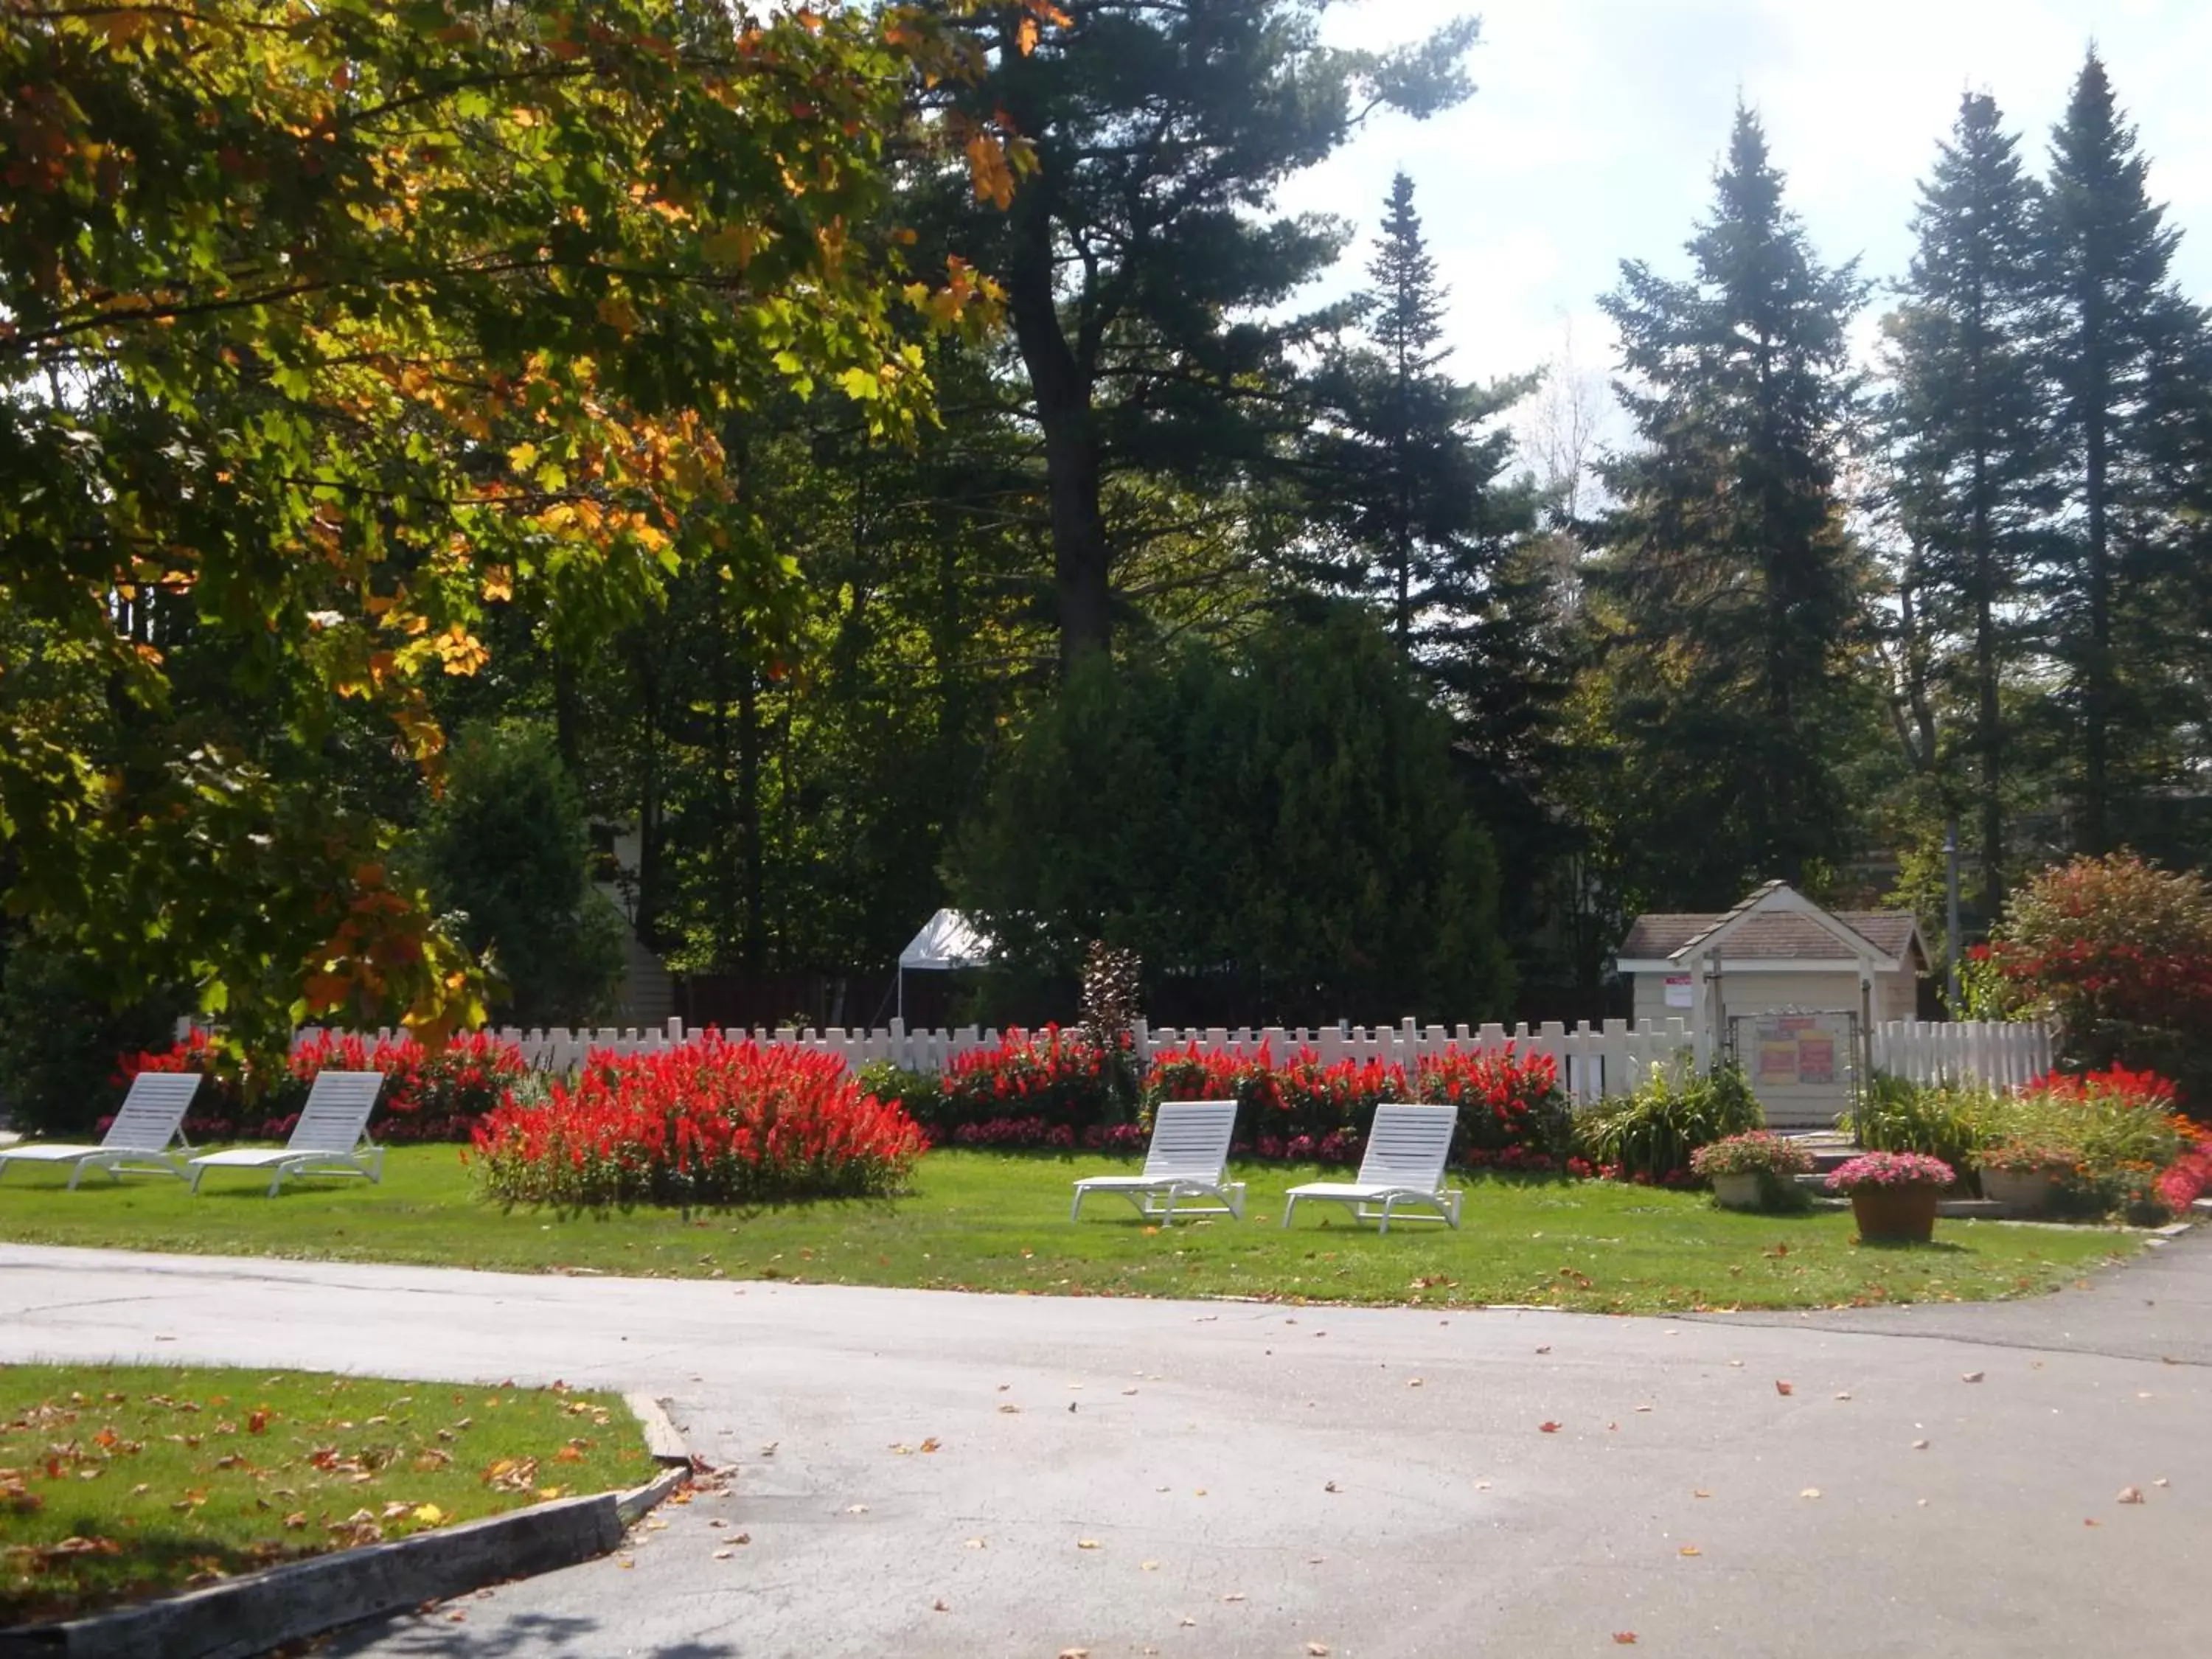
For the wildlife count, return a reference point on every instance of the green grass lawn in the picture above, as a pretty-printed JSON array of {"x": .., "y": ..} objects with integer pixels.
[
  {"x": 126, "y": 1481},
  {"x": 998, "y": 1221}
]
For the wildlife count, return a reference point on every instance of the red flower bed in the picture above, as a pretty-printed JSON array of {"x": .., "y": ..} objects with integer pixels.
[
  {"x": 712, "y": 1122},
  {"x": 1512, "y": 1112},
  {"x": 1056, "y": 1076},
  {"x": 425, "y": 1097}
]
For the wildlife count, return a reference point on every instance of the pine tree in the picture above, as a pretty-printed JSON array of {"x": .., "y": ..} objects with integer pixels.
[
  {"x": 1144, "y": 269},
  {"x": 2118, "y": 332},
  {"x": 1966, "y": 415},
  {"x": 1727, "y": 569},
  {"x": 1405, "y": 464}
]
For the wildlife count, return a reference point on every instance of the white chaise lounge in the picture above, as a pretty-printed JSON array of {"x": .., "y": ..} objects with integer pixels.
[
  {"x": 139, "y": 1140},
  {"x": 1187, "y": 1161},
  {"x": 331, "y": 1136},
  {"x": 1404, "y": 1164}
]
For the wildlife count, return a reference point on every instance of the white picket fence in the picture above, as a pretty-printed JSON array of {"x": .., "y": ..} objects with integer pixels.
[
  {"x": 2002, "y": 1054},
  {"x": 1593, "y": 1061}
]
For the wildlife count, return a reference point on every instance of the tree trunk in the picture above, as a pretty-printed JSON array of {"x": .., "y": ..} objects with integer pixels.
[{"x": 1082, "y": 557}]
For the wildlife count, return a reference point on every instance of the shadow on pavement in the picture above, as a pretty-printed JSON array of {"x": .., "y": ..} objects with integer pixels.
[{"x": 436, "y": 1635}]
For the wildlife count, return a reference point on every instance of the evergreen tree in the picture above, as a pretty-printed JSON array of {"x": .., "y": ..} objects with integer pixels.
[
  {"x": 1140, "y": 257},
  {"x": 1966, "y": 415},
  {"x": 2120, "y": 341},
  {"x": 1728, "y": 572}
]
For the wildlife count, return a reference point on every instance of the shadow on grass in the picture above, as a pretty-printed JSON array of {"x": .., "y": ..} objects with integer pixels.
[
  {"x": 146, "y": 1563},
  {"x": 1910, "y": 1246}
]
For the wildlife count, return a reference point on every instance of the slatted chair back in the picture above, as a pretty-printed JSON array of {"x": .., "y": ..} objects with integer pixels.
[
  {"x": 1407, "y": 1147},
  {"x": 1190, "y": 1138},
  {"x": 152, "y": 1112},
  {"x": 336, "y": 1115}
]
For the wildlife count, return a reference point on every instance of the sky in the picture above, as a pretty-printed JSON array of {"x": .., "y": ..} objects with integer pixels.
[{"x": 1596, "y": 124}]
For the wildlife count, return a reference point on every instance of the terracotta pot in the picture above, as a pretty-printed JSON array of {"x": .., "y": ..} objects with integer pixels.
[
  {"x": 1738, "y": 1192},
  {"x": 2023, "y": 1191},
  {"x": 1895, "y": 1215}
]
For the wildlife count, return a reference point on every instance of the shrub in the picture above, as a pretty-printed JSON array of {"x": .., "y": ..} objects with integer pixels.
[
  {"x": 1511, "y": 1109},
  {"x": 710, "y": 1123},
  {"x": 1943, "y": 1121},
  {"x": 918, "y": 1094},
  {"x": 1512, "y": 1112},
  {"x": 2117, "y": 953},
  {"x": 1650, "y": 1133},
  {"x": 1892, "y": 1169},
  {"x": 1761, "y": 1152},
  {"x": 1055, "y": 1075},
  {"x": 426, "y": 1096},
  {"x": 58, "y": 1039}
]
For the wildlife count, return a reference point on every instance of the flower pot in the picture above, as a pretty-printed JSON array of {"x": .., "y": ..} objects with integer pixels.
[
  {"x": 1895, "y": 1215},
  {"x": 1738, "y": 1192},
  {"x": 2022, "y": 1192}
]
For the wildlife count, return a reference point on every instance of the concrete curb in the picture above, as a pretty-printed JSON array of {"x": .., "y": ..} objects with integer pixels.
[{"x": 243, "y": 1616}]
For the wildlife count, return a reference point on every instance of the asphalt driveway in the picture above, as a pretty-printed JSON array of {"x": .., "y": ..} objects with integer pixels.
[{"x": 917, "y": 1473}]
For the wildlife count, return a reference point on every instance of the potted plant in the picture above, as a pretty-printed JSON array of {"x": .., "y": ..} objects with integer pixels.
[
  {"x": 1893, "y": 1195},
  {"x": 2024, "y": 1174},
  {"x": 1754, "y": 1171}
]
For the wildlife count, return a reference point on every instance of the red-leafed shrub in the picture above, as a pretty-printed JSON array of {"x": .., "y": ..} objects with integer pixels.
[
  {"x": 426, "y": 1096},
  {"x": 711, "y": 1122},
  {"x": 2117, "y": 953}
]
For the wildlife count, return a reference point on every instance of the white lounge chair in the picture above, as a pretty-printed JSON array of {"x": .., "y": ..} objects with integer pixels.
[
  {"x": 1188, "y": 1159},
  {"x": 331, "y": 1137},
  {"x": 1404, "y": 1164},
  {"x": 151, "y": 1116}
]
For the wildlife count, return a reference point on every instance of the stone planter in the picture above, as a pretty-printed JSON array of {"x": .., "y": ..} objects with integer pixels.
[
  {"x": 2022, "y": 1192},
  {"x": 1738, "y": 1192},
  {"x": 1895, "y": 1215}
]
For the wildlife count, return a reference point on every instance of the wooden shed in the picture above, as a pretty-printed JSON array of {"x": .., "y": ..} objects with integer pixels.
[{"x": 1792, "y": 989}]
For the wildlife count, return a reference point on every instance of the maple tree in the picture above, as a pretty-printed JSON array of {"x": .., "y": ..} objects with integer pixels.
[{"x": 327, "y": 333}]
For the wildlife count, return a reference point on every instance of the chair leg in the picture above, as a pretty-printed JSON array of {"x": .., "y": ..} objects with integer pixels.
[
  {"x": 197, "y": 1171},
  {"x": 76, "y": 1173},
  {"x": 1076, "y": 1209},
  {"x": 276, "y": 1181},
  {"x": 1387, "y": 1202},
  {"x": 1167, "y": 1210},
  {"x": 1290, "y": 1203}
]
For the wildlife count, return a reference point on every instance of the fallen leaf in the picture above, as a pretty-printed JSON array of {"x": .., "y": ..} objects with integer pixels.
[
  {"x": 295, "y": 1521},
  {"x": 2160, "y": 1481},
  {"x": 1189, "y": 1622},
  {"x": 1626, "y": 1638},
  {"x": 1543, "y": 1347},
  {"x": 932, "y": 1444},
  {"x": 1690, "y": 1549},
  {"x": 856, "y": 1509},
  {"x": 1150, "y": 1567},
  {"x": 1782, "y": 1388},
  {"x": 1547, "y": 1428},
  {"x": 1920, "y": 1445},
  {"x": 1810, "y": 1491},
  {"x": 1086, "y": 1543},
  {"x": 2129, "y": 1495},
  {"x": 976, "y": 1544},
  {"x": 724, "y": 1555},
  {"x": 1319, "y": 1649},
  {"x": 1234, "y": 1596},
  {"x": 1700, "y": 1492},
  {"x": 2091, "y": 1522},
  {"x": 1413, "y": 1382},
  {"x": 1738, "y": 1363},
  {"x": 939, "y": 1607},
  {"x": 1972, "y": 1377},
  {"x": 1075, "y": 1653},
  {"x": 1644, "y": 1408},
  {"x": 1329, "y": 1485},
  {"x": 1010, "y": 1410},
  {"x": 1843, "y": 1396}
]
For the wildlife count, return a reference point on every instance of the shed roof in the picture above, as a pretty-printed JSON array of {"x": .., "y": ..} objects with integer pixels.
[{"x": 1773, "y": 936}]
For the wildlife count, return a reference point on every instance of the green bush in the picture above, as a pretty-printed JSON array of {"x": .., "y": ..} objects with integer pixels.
[
  {"x": 920, "y": 1093},
  {"x": 58, "y": 1043},
  {"x": 1951, "y": 1122},
  {"x": 508, "y": 847},
  {"x": 1650, "y": 1134}
]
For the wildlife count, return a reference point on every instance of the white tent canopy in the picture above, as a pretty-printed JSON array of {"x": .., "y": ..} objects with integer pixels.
[{"x": 945, "y": 941}]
